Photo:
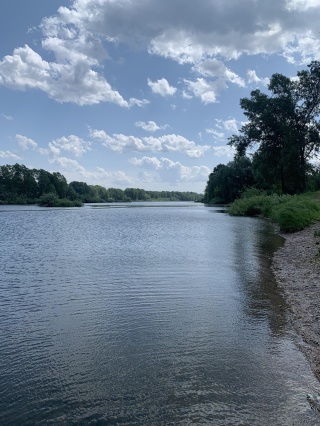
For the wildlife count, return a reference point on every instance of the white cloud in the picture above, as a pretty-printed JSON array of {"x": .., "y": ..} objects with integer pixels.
[
  {"x": 253, "y": 78},
  {"x": 173, "y": 172},
  {"x": 65, "y": 81},
  {"x": 162, "y": 87},
  {"x": 76, "y": 40},
  {"x": 116, "y": 178},
  {"x": 188, "y": 33},
  {"x": 100, "y": 175},
  {"x": 147, "y": 162},
  {"x": 72, "y": 144},
  {"x": 224, "y": 151},
  {"x": 305, "y": 49},
  {"x": 215, "y": 133},
  {"x": 25, "y": 142},
  {"x": 215, "y": 68},
  {"x": 9, "y": 154},
  {"x": 68, "y": 163},
  {"x": 301, "y": 5},
  {"x": 206, "y": 91},
  {"x": 229, "y": 125},
  {"x": 168, "y": 143},
  {"x": 150, "y": 126}
]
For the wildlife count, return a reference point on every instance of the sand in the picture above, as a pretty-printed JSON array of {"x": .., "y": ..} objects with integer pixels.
[{"x": 297, "y": 270}]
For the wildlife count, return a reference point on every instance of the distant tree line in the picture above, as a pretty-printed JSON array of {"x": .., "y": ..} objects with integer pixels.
[
  {"x": 21, "y": 185},
  {"x": 283, "y": 129}
]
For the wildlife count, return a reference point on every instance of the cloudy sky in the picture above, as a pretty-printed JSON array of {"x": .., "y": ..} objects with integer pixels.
[{"x": 140, "y": 93}]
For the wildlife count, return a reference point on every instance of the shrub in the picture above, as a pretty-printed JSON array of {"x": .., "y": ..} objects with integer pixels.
[
  {"x": 292, "y": 213},
  {"x": 253, "y": 206},
  {"x": 296, "y": 214},
  {"x": 52, "y": 200}
]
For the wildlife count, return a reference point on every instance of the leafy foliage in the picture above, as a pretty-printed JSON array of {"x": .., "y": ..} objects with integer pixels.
[
  {"x": 227, "y": 182},
  {"x": 291, "y": 213},
  {"x": 52, "y": 200},
  {"x": 285, "y": 127},
  {"x": 20, "y": 185}
]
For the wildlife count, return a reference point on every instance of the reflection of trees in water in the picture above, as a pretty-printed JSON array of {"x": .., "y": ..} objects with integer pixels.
[{"x": 254, "y": 245}]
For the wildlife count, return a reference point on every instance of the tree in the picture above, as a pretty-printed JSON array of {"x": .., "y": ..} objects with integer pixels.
[
  {"x": 285, "y": 126},
  {"x": 226, "y": 182},
  {"x": 60, "y": 183}
]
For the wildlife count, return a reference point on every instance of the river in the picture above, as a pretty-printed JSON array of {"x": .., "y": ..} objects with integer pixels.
[{"x": 145, "y": 314}]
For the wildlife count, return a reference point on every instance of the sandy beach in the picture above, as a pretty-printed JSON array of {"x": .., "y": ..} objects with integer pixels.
[{"x": 297, "y": 269}]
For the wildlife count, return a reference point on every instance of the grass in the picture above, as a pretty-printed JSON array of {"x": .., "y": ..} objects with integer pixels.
[{"x": 291, "y": 212}]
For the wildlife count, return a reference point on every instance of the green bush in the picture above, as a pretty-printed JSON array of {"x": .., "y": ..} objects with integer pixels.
[
  {"x": 291, "y": 213},
  {"x": 52, "y": 200},
  {"x": 253, "y": 206},
  {"x": 296, "y": 214},
  {"x": 292, "y": 218}
]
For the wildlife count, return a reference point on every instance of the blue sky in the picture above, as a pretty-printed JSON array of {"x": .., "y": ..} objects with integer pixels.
[{"x": 140, "y": 93}]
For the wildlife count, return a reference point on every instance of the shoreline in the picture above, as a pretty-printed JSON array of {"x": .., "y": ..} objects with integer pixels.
[{"x": 296, "y": 266}]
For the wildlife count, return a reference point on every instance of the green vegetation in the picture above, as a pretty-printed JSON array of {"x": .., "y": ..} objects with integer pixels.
[
  {"x": 20, "y": 185},
  {"x": 272, "y": 172},
  {"x": 291, "y": 212},
  {"x": 51, "y": 200}
]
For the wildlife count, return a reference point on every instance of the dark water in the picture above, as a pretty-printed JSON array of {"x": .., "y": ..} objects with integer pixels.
[{"x": 160, "y": 314}]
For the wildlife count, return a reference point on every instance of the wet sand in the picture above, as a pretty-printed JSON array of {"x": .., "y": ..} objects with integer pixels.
[{"x": 297, "y": 269}]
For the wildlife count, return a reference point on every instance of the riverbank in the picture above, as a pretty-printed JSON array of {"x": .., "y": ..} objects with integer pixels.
[{"x": 297, "y": 269}]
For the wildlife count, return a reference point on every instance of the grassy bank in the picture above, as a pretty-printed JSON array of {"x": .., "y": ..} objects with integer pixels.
[{"x": 291, "y": 212}]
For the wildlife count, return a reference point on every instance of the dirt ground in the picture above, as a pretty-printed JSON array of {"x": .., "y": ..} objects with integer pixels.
[{"x": 297, "y": 269}]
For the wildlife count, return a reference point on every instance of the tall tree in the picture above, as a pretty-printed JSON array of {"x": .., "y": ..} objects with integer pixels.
[
  {"x": 227, "y": 181},
  {"x": 285, "y": 126}
]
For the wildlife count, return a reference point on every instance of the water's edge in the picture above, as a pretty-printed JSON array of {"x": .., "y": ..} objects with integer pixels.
[{"x": 296, "y": 266}]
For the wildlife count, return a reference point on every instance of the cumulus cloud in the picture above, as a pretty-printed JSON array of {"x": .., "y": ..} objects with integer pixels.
[
  {"x": 25, "y": 142},
  {"x": 117, "y": 177},
  {"x": 107, "y": 178},
  {"x": 201, "y": 88},
  {"x": 147, "y": 162},
  {"x": 170, "y": 171},
  {"x": 253, "y": 78},
  {"x": 224, "y": 151},
  {"x": 302, "y": 5},
  {"x": 188, "y": 33},
  {"x": 215, "y": 133},
  {"x": 76, "y": 39},
  {"x": 231, "y": 125},
  {"x": 68, "y": 163},
  {"x": 215, "y": 68},
  {"x": 162, "y": 87},
  {"x": 168, "y": 143},
  {"x": 9, "y": 154},
  {"x": 150, "y": 126},
  {"x": 70, "y": 79},
  {"x": 72, "y": 144},
  {"x": 224, "y": 127}
]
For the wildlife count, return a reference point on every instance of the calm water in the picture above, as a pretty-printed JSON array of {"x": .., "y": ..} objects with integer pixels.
[{"x": 160, "y": 314}]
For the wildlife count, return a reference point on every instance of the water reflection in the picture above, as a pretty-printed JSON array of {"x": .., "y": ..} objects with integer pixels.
[
  {"x": 254, "y": 245},
  {"x": 144, "y": 316}
]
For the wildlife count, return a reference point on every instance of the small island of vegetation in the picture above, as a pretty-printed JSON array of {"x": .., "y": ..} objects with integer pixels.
[{"x": 277, "y": 179}]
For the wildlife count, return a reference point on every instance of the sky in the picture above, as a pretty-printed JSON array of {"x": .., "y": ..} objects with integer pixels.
[{"x": 140, "y": 93}]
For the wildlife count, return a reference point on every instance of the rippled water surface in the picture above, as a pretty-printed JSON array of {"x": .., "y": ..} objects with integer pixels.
[{"x": 152, "y": 314}]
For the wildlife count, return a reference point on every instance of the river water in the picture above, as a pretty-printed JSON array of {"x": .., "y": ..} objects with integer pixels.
[{"x": 144, "y": 314}]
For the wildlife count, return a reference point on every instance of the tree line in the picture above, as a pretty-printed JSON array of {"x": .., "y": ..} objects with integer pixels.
[
  {"x": 21, "y": 185},
  {"x": 274, "y": 148}
]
